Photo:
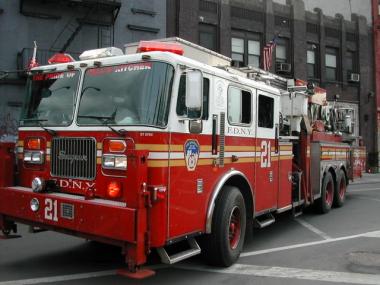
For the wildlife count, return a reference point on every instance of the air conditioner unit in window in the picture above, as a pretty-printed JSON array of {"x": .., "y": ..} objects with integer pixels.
[
  {"x": 353, "y": 77},
  {"x": 283, "y": 67}
]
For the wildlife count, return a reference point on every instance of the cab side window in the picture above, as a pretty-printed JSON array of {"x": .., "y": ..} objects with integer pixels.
[
  {"x": 239, "y": 106},
  {"x": 266, "y": 111},
  {"x": 181, "y": 100}
]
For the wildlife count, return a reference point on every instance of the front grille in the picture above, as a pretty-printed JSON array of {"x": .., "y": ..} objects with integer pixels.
[{"x": 73, "y": 158}]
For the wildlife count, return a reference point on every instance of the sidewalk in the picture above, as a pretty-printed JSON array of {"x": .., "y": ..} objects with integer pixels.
[{"x": 368, "y": 178}]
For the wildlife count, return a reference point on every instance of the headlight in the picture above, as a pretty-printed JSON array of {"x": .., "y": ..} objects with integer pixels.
[
  {"x": 118, "y": 162},
  {"x": 35, "y": 157},
  {"x": 121, "y": 162},
  {"x": 34, "y": 205},
  {"x": 38, "y": 184}
]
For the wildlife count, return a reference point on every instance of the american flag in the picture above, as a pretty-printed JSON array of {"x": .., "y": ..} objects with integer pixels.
[{"x": 267, "y": 54}]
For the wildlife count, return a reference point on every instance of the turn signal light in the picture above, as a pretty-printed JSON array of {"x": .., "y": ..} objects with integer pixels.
[
  {"x": 34, "y": 143},
  {"x": 116, "y": 146},
  {"x": 114, "y": 189}
]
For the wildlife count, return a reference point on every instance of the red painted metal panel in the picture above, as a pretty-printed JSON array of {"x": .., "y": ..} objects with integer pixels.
[
  {"x": 7, "y": 161},
  {"x": 90, "y": 217}
]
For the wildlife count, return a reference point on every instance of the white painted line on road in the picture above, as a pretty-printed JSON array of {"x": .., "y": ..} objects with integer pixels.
[
  {"x": 368, "y": 199},
  {"x": 60, "y": 278},
  {"x": 299, "y": 245},
  {"x": 363, "y": 190},
  {"x": 313, "y": 229},
  {"x": 291, "y": 273}
]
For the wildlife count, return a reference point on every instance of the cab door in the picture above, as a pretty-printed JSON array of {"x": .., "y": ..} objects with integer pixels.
[{"x": 266, "y": 152}]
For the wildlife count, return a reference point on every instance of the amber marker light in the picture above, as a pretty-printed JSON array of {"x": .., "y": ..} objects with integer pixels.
[
  {"x": 34, "y": 143},
  {"x": 114, "y": 190},
  {"x": 116, "y": 146}
]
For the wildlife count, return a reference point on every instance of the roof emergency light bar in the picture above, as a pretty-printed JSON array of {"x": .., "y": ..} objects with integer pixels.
[
  {"x": 101, "y": 52},
  {"x": 146, "y": 46},
  {"x": 61, "y": 58}
]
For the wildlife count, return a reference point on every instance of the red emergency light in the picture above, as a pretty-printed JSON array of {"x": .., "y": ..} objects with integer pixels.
[
  {"x": 146, "y": 46},
  {"x": 60, "y": 58}
]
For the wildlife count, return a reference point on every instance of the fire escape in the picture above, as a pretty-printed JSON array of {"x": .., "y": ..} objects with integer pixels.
[{"x": 99, "y": 13}]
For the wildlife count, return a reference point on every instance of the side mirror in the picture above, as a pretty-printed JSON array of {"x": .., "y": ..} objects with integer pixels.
[{"x": 194, "y": 93}]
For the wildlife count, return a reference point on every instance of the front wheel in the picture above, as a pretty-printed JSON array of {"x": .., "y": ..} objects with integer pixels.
[{"x": 223, "y": 246}]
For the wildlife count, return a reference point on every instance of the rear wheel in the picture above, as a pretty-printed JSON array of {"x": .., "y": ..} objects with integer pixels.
[
  {"x": 340, "y": 190},
  {"x": 327, "y": 194},
  {"x": 223, "y": 246}
]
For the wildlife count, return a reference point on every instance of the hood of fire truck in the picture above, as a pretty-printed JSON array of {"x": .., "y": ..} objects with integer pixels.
[{"x": 73, "y": 161}]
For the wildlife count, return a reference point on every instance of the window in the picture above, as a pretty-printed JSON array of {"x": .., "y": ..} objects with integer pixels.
[
  {"x": 237, "y": 48},
  {"x": 266, "y": 111},
  {"x": 281, "y": 53},
  {"x": 331, "y": 64},
  {"x": 207, "y": 36},
  {"x": 254, "y": 53},
  {"x": 246, "y": 49},
  {"x": 312, "y": 61},
  {"x": 351, "y": 61},
  {"x": 181, "y": 101},
  {"x": 239, "y": 108}
]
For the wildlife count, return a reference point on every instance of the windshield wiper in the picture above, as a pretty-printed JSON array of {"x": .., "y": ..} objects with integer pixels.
[
  {"x": 49, "y": 131},
  {"x": 105, "y": 120}
]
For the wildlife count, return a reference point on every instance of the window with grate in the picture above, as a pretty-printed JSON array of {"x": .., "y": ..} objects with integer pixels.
[
  {"x": 312, "y": 28},
  {"x": 208, "y": 6},
  {"x": 351, "y": 37},
  {"x": 243, "y": 13}
]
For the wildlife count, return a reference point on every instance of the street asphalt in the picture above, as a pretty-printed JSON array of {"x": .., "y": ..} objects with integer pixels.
[{"x": 341, "y": 247}]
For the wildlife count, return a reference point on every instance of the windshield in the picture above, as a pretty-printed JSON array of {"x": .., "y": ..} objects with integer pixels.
[
  {"x": 50, "y": 99},
  {"x": 128, "y": 94}
]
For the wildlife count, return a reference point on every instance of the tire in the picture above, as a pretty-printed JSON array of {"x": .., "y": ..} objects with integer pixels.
[
  {"x": 223, "y": 246},
  {"x": 340, "y": 190},
  {"x": 327, "y": 194}
]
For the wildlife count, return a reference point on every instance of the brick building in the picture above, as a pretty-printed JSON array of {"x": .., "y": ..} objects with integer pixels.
[{"x": 331, "y": 45}]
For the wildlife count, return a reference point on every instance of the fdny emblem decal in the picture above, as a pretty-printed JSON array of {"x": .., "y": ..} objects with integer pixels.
[{"x": 191, "y": 154}]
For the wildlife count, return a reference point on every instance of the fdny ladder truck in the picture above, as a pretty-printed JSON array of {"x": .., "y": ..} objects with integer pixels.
[{"x": 168, "y": 145}]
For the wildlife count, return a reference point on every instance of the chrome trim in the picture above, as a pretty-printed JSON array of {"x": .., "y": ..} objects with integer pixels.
[
  {"x": 42, "y": 161},
  {"x": 284, "y": 209},
  {"x": 83, "y": 171},
  {"x": 113, "y": 155},
  {"x": 217, "y": 189}
]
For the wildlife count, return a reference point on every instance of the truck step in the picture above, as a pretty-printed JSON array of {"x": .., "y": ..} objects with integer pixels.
[
  {"x": 264, "y": 221},
  {"x": 182, "y": 255}
]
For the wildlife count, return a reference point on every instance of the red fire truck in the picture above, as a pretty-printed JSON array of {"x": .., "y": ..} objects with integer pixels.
[{"x": 169, "y": 145}]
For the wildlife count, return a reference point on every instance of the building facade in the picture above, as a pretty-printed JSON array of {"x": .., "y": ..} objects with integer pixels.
[
  {"x": 331, "y": 45},
  {"x": 64, "y": 25}
]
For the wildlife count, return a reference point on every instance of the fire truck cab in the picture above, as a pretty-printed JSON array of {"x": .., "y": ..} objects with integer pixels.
[{"x": 166, "y": 145}]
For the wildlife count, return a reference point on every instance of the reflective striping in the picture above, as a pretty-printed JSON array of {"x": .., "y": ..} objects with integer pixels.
[
  {"x": 20, "y": 149},
  {"x": 99, "y": 145},
  {"x": 48, "y": 151},
  {"x": 48, "y": 158},
  {"x": 99, "y": 153},
  {"x": 20, "y": 143},
  {"x": 48, "y": 144},
  {"x": 98, "y": 160}
]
